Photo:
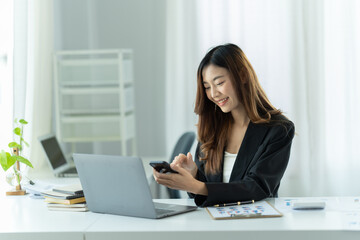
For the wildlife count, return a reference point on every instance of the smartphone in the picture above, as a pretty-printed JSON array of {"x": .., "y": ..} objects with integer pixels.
[{"x": 162, "y": 167}]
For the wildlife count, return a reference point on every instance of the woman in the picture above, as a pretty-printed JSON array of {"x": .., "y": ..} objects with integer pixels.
[{"x": 244, "y": 141}]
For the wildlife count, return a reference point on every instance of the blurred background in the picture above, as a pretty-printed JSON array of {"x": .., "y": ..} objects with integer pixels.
[{"x": 306, "y": 54}]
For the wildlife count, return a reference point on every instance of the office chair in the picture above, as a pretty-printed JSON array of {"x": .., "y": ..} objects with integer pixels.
[{"x": 183, "y": 145}]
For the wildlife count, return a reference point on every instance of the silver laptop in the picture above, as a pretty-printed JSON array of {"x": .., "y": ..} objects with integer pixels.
[
  {"x": 118, "y": 185},
  {"x": 60, "y": 166}
]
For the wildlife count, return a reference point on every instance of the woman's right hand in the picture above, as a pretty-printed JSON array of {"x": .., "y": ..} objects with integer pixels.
[{"x": 185, "y": 162}]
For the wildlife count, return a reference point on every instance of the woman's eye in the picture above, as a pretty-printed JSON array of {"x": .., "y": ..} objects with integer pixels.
[
  {"x": 206, "y": 88},
  {"x": 221, "y": 83}
]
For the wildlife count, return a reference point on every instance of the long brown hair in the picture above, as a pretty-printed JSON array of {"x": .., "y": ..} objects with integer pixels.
[{"x": 215, "y": 125}]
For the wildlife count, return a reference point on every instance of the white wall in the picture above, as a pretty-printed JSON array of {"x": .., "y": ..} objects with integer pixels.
[{"x": 135, "y": 24}]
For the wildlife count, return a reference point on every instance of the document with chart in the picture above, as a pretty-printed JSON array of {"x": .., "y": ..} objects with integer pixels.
[{"x": 261, "y": 209}]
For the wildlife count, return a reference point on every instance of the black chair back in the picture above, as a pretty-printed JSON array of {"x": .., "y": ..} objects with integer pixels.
[{"x": 183, "y": 145}]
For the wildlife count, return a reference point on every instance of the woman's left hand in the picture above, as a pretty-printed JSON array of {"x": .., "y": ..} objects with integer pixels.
[{"x": 183, "y": 180}]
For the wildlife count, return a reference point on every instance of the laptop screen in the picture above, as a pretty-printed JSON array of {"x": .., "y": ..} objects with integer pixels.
[{"x": 53, "y": 152}]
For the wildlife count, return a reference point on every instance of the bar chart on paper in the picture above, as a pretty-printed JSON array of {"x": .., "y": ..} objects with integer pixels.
[{"x": 261, "y": 209}]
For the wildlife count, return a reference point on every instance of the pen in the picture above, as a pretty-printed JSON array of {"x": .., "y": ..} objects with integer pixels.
[
  {"x": 234, "y": 204},
  {"x": 30, "y": 181}
]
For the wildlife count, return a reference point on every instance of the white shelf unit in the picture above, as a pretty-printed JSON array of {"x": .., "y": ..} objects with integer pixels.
[{"x": 94, "y": 97}]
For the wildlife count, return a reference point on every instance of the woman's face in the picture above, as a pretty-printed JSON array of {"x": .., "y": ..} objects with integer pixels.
[{"x": 219, "y": 89}]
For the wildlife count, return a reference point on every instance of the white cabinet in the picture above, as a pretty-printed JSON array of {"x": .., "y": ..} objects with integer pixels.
[{"x": 94, "y": 97}]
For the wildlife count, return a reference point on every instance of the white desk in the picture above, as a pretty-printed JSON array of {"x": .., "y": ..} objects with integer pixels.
[
  {"x": 24, "y": 218},
  {"x": 320, "y": 224}
]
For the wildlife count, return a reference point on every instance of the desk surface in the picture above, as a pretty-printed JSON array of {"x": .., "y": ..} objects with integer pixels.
[{"x": 26, "y": 218}]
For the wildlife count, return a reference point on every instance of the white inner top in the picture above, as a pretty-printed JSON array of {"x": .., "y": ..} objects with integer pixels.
[{"x": 229, "y": 160}]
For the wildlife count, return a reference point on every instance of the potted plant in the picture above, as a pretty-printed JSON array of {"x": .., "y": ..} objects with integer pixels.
[{"x": 14, "y": 158}]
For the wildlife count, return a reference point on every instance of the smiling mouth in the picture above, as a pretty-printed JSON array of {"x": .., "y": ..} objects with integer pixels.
[{"x": 222, "y": 101}]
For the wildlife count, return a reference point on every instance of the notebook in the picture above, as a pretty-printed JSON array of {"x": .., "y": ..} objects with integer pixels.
[
  {"x": 60, "y": 166},
  {"x": 118, "y": 185}
]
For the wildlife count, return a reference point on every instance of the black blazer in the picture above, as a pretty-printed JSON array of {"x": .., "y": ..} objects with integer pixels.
[{"x": 258, "y": 168}]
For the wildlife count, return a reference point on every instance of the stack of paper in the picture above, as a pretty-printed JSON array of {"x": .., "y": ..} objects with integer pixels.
[
  {"x": 78, "y": 207},
  {"x": 70, "y": 189},
  {"x": 35, "y": 189},
  {"x": 66, "y": 198}
]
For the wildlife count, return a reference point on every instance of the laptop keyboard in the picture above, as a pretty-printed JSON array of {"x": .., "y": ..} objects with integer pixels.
[{"x": 70, "y": 170}]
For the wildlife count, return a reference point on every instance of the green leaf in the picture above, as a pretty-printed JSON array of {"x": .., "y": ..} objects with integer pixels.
[
  {"x": 6, "y": 160},
  {"x": 22, "y": 121},
  {"x": 14, "y": 145},
  {"x": 17, "y": 131},
  {"x": 10, "y": 160},
  {"x": 3, "y": 160},
  {"x": 26, "y": 143},
  {"x": 23, "y": 160}
]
